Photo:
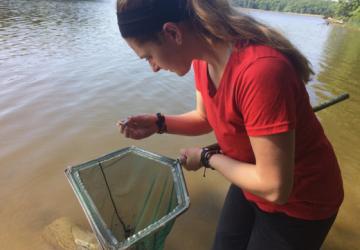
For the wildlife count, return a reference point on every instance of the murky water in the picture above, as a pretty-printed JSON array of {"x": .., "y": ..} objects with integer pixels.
[{"x": 66, "y": 76}]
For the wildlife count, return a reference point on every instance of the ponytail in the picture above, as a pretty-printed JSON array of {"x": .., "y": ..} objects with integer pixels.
[{"x": 217, "y": 20}]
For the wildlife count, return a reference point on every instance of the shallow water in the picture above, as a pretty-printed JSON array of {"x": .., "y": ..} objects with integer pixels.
[{"x": 66, "y": 77}]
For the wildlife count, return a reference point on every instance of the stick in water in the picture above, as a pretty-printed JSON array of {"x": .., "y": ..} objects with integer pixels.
[{"x": 331, "y": 102}]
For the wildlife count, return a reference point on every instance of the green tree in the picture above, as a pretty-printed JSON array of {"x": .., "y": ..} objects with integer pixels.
[
  {"x": 321, "y": 7},
  {"x": 347, "y": 8}
]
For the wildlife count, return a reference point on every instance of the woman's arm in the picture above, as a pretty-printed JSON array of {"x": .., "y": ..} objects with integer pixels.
[
  {"x": 270, "y": 178},
  {"x": 191, "y": 123}
]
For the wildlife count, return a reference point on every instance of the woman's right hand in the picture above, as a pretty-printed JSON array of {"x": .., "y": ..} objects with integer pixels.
[{"x": 138, "y": 127}]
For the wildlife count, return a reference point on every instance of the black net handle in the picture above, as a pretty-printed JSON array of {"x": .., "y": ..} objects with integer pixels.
[{"x": 331, "y": 102}]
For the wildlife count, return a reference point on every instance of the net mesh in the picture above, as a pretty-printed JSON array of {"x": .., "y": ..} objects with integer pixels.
[{"x": 130, "y": 193}]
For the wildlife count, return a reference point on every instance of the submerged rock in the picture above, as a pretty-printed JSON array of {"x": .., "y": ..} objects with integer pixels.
[{"x": 62, "y": 233}]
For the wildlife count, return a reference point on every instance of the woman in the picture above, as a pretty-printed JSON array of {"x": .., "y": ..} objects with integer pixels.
[{"x": 286, "y": 184}]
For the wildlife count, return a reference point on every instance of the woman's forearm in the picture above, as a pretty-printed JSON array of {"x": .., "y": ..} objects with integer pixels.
[
  {"x": 248, "y": 177},
  {"x": 191, "y": 123},
  {"x": 271, "y": 177}
]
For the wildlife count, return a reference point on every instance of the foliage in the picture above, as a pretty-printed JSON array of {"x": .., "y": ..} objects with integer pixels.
[
  {"x": 355, "y": 17},
  {"x": 320, "y": 7},
  {"x": 348, "y": 9}
]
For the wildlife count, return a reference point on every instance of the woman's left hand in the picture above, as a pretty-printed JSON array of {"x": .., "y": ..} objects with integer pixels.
[{"x": 190, "y": 158}]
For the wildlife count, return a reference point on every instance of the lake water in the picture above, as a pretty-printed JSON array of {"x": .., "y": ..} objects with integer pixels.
[{"x": 66, "y": 77}]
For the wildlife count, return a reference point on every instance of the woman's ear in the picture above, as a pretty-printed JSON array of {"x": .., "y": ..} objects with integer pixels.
[{"x": 173, "y": 32}]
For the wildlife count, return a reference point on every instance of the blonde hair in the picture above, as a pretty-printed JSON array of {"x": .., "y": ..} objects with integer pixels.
[{"x": 218, "y": 20}]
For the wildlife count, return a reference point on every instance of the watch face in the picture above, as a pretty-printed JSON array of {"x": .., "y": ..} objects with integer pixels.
[{"x": 131, "y": 197}]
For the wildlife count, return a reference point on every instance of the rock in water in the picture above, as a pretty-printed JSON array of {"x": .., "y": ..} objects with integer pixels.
[
  {"x": 64, "y": 234},
  {"x": 84, "y": 239}
]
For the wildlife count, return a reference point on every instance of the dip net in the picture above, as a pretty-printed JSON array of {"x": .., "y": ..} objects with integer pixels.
[{"x": 131, "y": 197}]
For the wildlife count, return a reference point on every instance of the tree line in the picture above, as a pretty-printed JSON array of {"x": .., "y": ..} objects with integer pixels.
[{"x": 347, "y": 10}]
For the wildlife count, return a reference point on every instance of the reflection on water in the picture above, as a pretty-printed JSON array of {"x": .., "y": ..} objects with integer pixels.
[
  {"x": 51, "y": 28},
  {"x": 340, "y": 73},
  {"x": 66, "y": 76}
]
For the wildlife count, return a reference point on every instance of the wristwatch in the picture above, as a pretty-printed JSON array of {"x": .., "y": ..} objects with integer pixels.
[{"x": 160, "y": 123}]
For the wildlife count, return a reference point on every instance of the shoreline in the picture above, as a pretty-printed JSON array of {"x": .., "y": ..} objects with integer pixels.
[
  {"x": 285, "y": 12},
  {"x": 334, "y": 20},
  {"x": 328, "y": 20}
]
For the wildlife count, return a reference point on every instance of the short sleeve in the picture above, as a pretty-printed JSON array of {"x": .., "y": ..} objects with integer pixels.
[
  {"x": 197, "y": 73},
  {"x": 266, "y": 97}
]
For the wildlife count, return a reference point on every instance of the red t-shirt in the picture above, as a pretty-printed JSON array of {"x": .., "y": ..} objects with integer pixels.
[{"x": 260, "y": 94}]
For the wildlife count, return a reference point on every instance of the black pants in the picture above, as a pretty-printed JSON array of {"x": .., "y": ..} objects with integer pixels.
[{"x": 243, "y": 225}]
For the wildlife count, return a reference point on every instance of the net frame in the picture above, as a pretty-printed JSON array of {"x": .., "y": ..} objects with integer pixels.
[{"x": 104, "y": 235}]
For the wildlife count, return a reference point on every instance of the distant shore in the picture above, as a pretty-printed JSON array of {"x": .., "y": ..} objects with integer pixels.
[
  {"x": 334, "y": 21},
  {"x": 328, "y": 20},
  {"x": 285, "y": 12}
]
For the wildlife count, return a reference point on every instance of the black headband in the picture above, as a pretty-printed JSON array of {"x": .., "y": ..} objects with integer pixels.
[{"x": 150, "y": 18}]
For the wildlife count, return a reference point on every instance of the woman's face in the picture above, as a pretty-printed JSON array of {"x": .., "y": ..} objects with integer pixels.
[{"x": 168, "y": 54}]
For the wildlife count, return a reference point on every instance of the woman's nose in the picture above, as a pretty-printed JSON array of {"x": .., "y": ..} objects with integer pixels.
[{"x": 154, "y": 67}]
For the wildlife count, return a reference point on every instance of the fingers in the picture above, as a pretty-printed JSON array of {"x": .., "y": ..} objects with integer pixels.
[
  {"x": 122, "y": 124},
  {"x": 138, "y": 127},
  {"x": 127, "y": 123},
  {"x": 190, "y": 158},
  {"x": 135, "y": 127},
  {"x": 129, "y": 132},
  {"x": 183, "y": 159},
  {"x": 139, "y": 121},
  {"x": 136, "y": 134}
]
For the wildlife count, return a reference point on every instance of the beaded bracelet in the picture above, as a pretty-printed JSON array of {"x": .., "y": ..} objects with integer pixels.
[{"x": 206, "y": 154}]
